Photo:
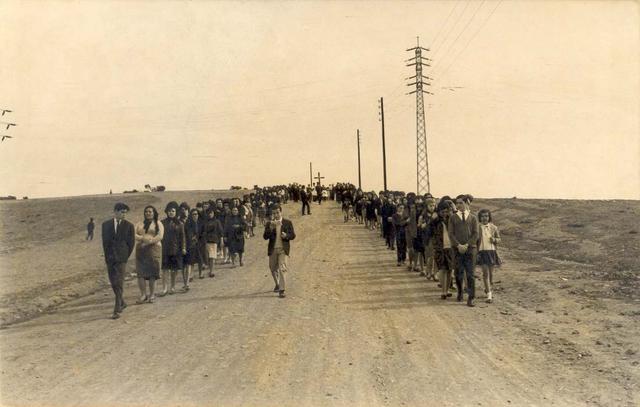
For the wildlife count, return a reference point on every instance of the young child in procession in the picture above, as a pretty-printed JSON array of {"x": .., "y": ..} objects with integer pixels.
[
  {"x": 487, "y": 250},
  {"x": 443, "y": 253}
]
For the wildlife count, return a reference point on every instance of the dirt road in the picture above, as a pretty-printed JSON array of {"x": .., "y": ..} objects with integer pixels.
[{"x": 354, "y": 330}]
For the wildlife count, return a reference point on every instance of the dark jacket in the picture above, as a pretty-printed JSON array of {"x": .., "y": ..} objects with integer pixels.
[
  {"x": 213, "y": 231},
  {"x": 435, "y": 232},
  {"x": 387, "y": 211},
  {"x": 234, "y": 227},
  {"x": 270, "y": 234},
  {"x": 466, "y": 232},
  {"x": 194, "y": 233},
  {"x": 173, "y": 241},
  {"x": 399, "y": 222},
  {"x": 118, "y": 247}
]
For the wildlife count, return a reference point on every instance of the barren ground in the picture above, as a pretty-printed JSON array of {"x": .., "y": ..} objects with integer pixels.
[{"x": 354, "y": 329}]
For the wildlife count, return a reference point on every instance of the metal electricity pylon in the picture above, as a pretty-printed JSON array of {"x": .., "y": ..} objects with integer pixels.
[{"x": 422, "y": 161}]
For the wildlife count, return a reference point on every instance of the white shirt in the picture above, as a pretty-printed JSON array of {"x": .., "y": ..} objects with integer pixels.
[
  {"x": 446, "y": 242},
  {"x": 486, "y": 233},
  {"x": 466, "y": 214},
  {"x": 278, "y": 243}
]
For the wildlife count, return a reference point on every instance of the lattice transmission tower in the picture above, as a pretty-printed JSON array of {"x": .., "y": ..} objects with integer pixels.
[{"x": 422, "y": 161}]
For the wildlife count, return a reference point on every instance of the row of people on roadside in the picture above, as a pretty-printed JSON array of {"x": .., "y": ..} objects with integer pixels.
[
  {"x": 186, "y": 238},
  {"x": 442, "y": 239}
]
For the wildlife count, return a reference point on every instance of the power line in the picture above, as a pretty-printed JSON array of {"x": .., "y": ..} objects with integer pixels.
[
  {"x": 444, "y": 72},
  {"x": 433, "y": 42},
  {"x": 437, "y": 51},
  {"x": 451, "y": 46}
]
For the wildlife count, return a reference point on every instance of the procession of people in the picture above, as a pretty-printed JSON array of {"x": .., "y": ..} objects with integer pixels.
[
  {"x": 209, "y": 234},
  {"x": 442, "y": 239}
]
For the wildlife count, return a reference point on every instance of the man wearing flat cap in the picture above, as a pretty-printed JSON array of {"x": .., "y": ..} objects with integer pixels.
[{"x": 118, "y": 240}]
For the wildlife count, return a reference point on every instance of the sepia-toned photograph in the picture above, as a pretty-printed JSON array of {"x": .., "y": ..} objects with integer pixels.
[{"x": 320, "y": 203}]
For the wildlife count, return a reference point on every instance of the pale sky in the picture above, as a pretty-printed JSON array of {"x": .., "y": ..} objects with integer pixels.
[{"x": 200, "y": 95}]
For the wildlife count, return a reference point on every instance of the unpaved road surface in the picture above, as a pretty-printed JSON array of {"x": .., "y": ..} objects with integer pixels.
[{"x": 354, "y": 330}]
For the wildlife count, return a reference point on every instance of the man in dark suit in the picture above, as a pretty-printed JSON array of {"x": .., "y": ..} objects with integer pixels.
[
  {"x": 118, "y": 240},
  {"x": 319, "y": 190},
  {"x": 463, "y": 229},
  {"x": 305, "y": 197},
  {"x": 90, "y": 228},
  {"x": 279, "y": 232}
]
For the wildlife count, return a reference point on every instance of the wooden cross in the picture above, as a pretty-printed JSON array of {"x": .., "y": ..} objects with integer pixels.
[{"x": 318, "y": 178}]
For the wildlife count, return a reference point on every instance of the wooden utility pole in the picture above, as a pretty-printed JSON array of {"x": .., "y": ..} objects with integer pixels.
[
  {"x": 359, "y": 174},
  {"x": 384, "y": 150},
  {"x": 310, "y": 175}
]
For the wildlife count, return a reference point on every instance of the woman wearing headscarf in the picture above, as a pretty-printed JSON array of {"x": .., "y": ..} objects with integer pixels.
[
  {"x": 149, "y": 235},
  {"x": 173, "y": 248},
  {"x": 194, "y": 231},
  {"x": 234, "y": 235}
]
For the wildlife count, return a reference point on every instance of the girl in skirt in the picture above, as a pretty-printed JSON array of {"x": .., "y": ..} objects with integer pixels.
[{"x": 487, "y": 250}]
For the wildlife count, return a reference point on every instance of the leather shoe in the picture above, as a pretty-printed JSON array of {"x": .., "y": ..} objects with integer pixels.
[
  {"x": 115, "y": 315},
  {"x": 282, "y": 294},
  {"x": 276, "y": 288},
  {"x": 470, "y": 303}
]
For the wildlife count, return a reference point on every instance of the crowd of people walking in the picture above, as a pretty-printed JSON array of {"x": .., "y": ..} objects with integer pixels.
[
  {"x": 442, "y": 239},
  {"x": 439, "y": 238},
  {"x": 188, "y": 239}
]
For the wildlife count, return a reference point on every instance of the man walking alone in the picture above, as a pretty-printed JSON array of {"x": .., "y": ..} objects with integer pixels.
[
  {"x": 279, "y": 232},
  {"x": 305, "y": 197},
  {"x": 118, "y": 240}
]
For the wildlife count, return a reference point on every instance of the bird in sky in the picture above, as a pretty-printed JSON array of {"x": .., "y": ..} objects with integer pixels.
[
  {"x": 4, "y": 137},
  {"x": 452, "y": 88},
  {"x": 5, "y": 111}
]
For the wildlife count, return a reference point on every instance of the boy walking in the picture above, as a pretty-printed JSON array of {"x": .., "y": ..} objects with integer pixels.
[
  {"x": 279, "y": 232},
  {"x": 463, "y": 234}
]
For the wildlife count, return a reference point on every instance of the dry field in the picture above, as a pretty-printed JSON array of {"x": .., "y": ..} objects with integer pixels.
[
  {"x": 354, "y": 329},
  {"x": 44, "y": 257}
]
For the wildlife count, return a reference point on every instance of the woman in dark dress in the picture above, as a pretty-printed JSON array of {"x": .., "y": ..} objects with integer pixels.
[
  {"x": 400, "y": 220},
  {"x": 370, "y": 212},
  {"x": 173, "y": 248},
  {"x": 194, "y": 234},
  {"x": 359, "y": 206},
  {"x": 213, "y": 233},
  {"x": 234, "y": 234}
]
